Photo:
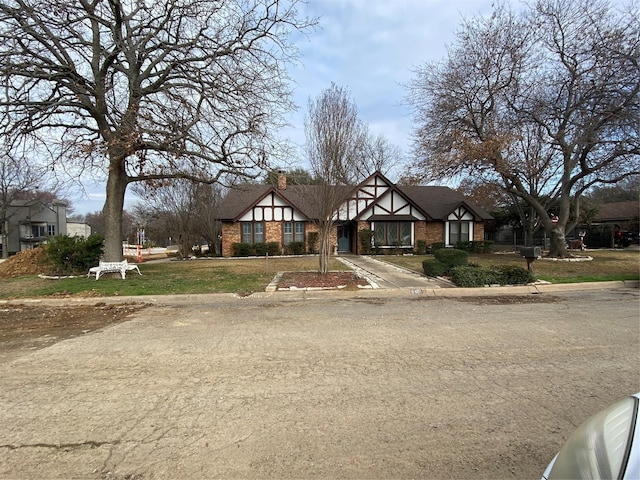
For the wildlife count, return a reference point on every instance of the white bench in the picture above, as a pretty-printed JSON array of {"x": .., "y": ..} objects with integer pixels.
[{"x": 113, "y": 267}]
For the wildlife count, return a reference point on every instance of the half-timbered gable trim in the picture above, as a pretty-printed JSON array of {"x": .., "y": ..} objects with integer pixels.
[
  {"x": 272, "y": 208},
  {"x": 363, "y": 196},
  {"x": 392, "y": 204},
  {"x": 459, "y": 225},
  {"x": 398, "y": 216}
]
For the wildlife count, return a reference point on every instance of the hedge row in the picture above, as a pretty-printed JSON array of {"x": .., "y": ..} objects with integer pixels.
[
  {"x": 444, "y": 261},
  {"x": 475, "y": 276},
  {"x": 268, "y": 248},
  {"x": 454, "y": 263}
]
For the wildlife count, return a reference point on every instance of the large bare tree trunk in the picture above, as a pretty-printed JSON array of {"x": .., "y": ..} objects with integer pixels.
[
  {"x": 113, "y": 208},
  {"x": 558, "y": 243}
]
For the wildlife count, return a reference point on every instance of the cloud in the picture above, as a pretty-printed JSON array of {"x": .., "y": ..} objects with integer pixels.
[{"x": 372, "y": 47}]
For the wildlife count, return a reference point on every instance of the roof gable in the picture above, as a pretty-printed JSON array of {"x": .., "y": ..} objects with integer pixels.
[
  {"x": 618, "y": 211},
  {"x": 376, "y": 196},
  {"x": 439, "y": 202}
]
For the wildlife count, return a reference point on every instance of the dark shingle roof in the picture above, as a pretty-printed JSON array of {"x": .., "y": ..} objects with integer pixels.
[
  {"x": 618, "y": 212},
  {"x": 436, "y": 201}
]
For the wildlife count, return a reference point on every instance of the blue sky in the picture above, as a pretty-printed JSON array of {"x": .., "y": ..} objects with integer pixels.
[{"x": 368, "y": 46}]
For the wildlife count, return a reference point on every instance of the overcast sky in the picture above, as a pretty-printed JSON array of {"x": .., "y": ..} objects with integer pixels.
[{"x": 370, "y": 47}]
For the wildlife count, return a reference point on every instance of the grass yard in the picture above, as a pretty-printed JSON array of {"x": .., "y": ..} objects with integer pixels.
[
  {"x": 607, "y": 265},
  {"x": 242, "y": 276}
]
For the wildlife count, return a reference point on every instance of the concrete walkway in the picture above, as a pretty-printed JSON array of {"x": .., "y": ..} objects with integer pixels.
[{"x": 386, "y": 275}]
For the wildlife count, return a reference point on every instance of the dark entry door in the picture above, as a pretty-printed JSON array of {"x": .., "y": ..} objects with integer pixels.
[{"x": 344, "y": 238}]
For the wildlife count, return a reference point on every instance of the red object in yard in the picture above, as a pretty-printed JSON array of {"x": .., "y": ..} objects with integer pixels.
[{"x": 139, "y": 254}]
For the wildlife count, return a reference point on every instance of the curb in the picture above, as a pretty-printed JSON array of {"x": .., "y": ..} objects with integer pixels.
[{"x": 297, "y": 295}]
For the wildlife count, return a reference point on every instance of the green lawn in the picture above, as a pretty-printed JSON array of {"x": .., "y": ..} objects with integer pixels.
[
  {"x": 241, "y": 276},
  {"x": 244, "y": 276},
  {"x": 607, "y": 265}
]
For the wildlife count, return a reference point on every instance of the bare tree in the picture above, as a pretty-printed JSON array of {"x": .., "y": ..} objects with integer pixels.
[
  {"x": 334, "y": 141},
  {"x": 206, "y": 212},
  {"x": 187, "y": 210},
  {"x": 545, "y": 102},
  {"x": 378, "y": 155},
  {"x": 142, "y": 91}
]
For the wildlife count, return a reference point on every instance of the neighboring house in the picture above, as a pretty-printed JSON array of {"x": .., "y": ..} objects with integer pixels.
[
  {"x": 398, "y": 216},
  {"x": 78, "y": 229},
  {"x": 32, "y": 222},
  {"x": 623, "y": 214}
]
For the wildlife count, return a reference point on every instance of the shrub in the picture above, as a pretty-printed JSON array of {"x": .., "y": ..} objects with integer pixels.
[
  {"x": 452, "y": 257},
  {"x": 242, "y": 249},
  {"x": 312, "y": 242},
  {"x": 421, "y": 247},
  {"x": 73, "y": 254},
  {"x": 263, "y": 249},
  {"x": 366, "y": 239},
  {"x": 295, "y": 248},
  {"x": 435, "y": 246},
  {"x": 511, "y": 275},
  {"x": 476, "y": 247},
  {"x": 470, "y": 276},
  {"x": 434, "y": 268},
  {"x": 466, "y": 246}
]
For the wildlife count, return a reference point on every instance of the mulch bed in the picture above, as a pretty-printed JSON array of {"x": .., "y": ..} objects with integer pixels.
[{"x": 301, "y": 280}]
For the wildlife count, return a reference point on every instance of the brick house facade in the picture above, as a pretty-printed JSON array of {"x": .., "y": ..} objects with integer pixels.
[{"x": 398, "y": 216}]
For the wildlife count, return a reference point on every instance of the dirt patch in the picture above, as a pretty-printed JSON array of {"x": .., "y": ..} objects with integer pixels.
[
  {"x": 27, "y": 262},
  {"x": 25, "y": 328},
  {"x": 510, "y": 300},
  {"x": 330, "y": 280}
]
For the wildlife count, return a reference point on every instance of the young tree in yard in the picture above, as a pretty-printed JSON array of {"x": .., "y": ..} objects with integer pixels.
[
  {"x": 141, "y": 91},
  {"x": 334, "y": 142},
  {"x": 545, "y": 103}
]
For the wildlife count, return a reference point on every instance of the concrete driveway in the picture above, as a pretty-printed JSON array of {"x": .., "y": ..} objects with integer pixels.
[
  {"x": 386, "y": 275},
  {"x": 322, "y": 385}
]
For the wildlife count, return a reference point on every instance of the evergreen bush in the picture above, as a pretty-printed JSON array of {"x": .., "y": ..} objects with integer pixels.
[
  {"x": 71, "y": 255},
  {"x": 452, "y": 257},
  {"x": 366, "y": 239},
  {"x": 242, "y": 249},
  {"x": 470, "y": 276},
  {"x": 295, "y": 248},
  {"x": 435, "y": 246},
  {"x": 312, "y": 242},
  {"x": 511, "y": 275},
  {"x": 433, "y": 267}
]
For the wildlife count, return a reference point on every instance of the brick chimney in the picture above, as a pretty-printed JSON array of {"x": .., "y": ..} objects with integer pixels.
[{"x": 282, "y": 180}]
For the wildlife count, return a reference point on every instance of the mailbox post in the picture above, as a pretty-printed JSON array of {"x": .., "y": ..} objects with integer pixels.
[{"x": 530, "y": 254}]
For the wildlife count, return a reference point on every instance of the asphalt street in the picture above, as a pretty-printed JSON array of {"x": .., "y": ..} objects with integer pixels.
[{"x": 389, "y": 383}]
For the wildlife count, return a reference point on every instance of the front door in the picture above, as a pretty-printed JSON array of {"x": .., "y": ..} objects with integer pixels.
[{"x": 344, "y": 238}]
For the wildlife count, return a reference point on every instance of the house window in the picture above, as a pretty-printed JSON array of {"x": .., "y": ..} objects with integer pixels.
[
  {"x": 458, "y": 231},
  {"x": 392, "y": 233},
  {"x": 38, "y": 231},
  {"x": 252, "y": 232},
  {"x": 51, "y": 230},
  {"x": 293, "y": 232}
]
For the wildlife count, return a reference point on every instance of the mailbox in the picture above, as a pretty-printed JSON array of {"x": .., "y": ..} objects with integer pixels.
[{"x": 530, "y": 254}]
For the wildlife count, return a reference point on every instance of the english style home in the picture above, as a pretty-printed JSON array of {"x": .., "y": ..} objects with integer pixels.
[{"x": 398, "y": 216}]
